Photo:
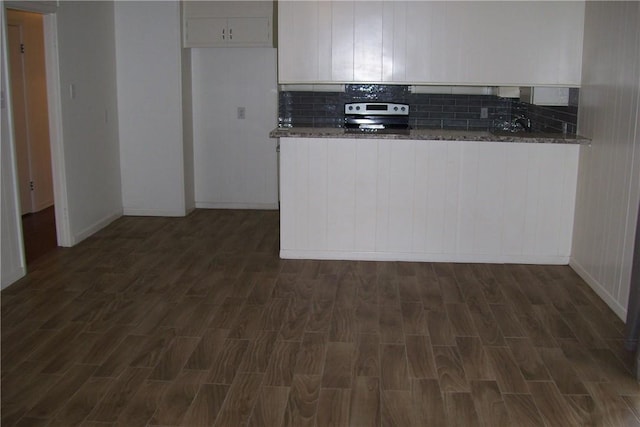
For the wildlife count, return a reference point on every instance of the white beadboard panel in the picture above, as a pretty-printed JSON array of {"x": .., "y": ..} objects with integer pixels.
[
  {"x": 467, "y": 197},
  {"x": 490, "y": 182},
  {"x": 368, "y": 41},
  {"x": 431, "y": 42},
  {"x": 288, "y": 201},
  {"x": 401, "y": 192},
  {"x": 427, "y": 200},
  {"x": 290, "y": 42},
  {"x": 452, "y": 172},
  {"x": 341, "y": 189},
  {"x": 301, "y": 185},
  {"x": 608, "y": 183},
  {"x": 383, "y": 194},
  {"x": 318, "y": 200},
  {"x": 420, "y": 198},
  {"x": 436, "y": 207},
  {"x": 323, "y": 57},
  {"x": 366, "y": 196},
  {"x": 342, "y": 41},
  {"x": 515, "y": 206}
]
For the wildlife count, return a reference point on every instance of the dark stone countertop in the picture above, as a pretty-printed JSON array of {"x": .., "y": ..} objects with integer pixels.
[{"x": 433, "y": 135}]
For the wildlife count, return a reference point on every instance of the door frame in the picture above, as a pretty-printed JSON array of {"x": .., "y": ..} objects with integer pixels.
[{"x": 54, "y": 103}]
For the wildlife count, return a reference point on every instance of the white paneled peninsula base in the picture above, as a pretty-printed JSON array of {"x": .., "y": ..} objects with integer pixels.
[{"x": 427, "y": 200}]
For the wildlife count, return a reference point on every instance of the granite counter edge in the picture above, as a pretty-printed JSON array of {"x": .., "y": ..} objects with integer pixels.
[{"x": 431, "y": 135}]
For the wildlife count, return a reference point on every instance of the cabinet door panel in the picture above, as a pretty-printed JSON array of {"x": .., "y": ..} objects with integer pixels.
[
  {"x": 342, "y": 41},
  {"x": 205, "y": 31},
  {"x": 249, "y": 31},
  {"x": 298, "y": 33},
  {"x": 367, "y": 54},
  {"x": 394, "y": 41}
]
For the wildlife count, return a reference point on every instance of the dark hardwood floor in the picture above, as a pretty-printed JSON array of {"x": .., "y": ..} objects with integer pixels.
[
  {"x": 196, "y": 321},
  {"x": 39, "y": 233}
]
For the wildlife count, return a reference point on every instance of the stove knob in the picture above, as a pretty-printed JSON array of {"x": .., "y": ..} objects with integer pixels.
[
  {"x": 403, "y": 108},
  {"x": 357, "y": 108},
  {"x": 396, "y": 108},
  {"x": 350, "y": 107}
]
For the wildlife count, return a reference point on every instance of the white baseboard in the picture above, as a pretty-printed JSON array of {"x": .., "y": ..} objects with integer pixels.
[
  {"x": 152, "y": 212},
  {"x": 423, "y": 257},
  {"x": 97, "y": 226},
  {"x": 597, "y": 287},
  {"x": 233, "y": 205},
  {"x": 10, "y": 277}
]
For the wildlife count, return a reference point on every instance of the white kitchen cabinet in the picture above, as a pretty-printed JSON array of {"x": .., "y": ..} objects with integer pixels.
[
  {"x": 495, "y": 43},
  {"x": 424, "y": 42},
  {"x": 417, "y": 200},
  {"x": 227, "y": 24},
  {"x": 342, "y": 41}
]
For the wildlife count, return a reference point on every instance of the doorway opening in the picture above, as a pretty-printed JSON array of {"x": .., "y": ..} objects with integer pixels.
[{"x": 26, "y": 48}]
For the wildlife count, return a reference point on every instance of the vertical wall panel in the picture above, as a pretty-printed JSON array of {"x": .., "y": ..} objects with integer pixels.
[
  {"x": 467, "y": 198},
  {"x": 366, "y": 196},
  {"x": 608, "y": 185},
  {"x": 452, "y": 188},
  {"x": 383, "y": 186},
  {"x": 420, "y": 198},
  {"x": 301, "y": 188},
  {"x": 341, "y": 161},
  {"x": 436, "y": 188},
  {"x": 491, "y": 179},
  {"x": 287, "y": 193},
  {"x": 401, "y": 178},
  {"x": 367, "y": 61},
  {"x": 317, "y": 192},
  {"x": 515, "y": 200},
  {"x": 342, "y": 44}
]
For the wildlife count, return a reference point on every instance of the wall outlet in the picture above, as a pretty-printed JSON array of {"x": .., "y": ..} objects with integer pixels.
[
  {"x": 241, "y": 113},
  {"x": 484, "y": 113}
]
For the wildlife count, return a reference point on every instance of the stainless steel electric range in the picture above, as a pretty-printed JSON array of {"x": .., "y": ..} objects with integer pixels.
[{"x": 376, "y": 117}]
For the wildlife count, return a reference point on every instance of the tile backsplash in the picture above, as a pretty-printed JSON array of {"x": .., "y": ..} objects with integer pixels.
[{"x": 435, "y": 111}]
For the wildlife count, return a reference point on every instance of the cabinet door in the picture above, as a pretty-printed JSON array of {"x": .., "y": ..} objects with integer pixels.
[
  {"x": 200, "y": 32},
  {"x": 254, "y": 32},
  {"x": 298, "y": 32},
  {"x": 394, "y": 41},
  {"x": 494, "y": 43},
  {"x": 367, "y": 41}
]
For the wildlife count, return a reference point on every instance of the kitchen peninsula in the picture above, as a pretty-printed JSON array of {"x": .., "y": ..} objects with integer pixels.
[{"x": 430, "y": 195}]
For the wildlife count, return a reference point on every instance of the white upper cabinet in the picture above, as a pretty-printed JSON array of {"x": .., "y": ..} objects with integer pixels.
[
  {"x": 227, "y": 24},
  {"x": 430, "y": 42}
]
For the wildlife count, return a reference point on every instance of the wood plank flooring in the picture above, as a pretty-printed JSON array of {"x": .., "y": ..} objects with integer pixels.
[
  {"x": 39, "y": 233},
  {"x": 196, "y": 322}
]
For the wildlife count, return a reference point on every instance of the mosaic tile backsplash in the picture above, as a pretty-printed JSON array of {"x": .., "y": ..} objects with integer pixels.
[{"x": 427, "y": 111}]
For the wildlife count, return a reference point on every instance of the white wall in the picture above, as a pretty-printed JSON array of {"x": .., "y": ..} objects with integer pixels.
[
  {"x": 608, "y": 182},
  {"x": 86, "y": 50},
  {"x": 150, "y": 108},
  {"x": 235, "y": 160},
  {"x": 12, "y": 264}
]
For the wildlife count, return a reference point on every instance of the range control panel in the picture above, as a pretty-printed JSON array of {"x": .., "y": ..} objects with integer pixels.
[{"x": 377, "y": 108}]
